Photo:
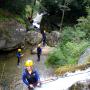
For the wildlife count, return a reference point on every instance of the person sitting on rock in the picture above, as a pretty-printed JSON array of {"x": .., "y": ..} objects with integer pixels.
[{"x": 30, "y": 76}]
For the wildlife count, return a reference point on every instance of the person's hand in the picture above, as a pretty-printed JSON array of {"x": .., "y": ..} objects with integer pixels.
[
  {"x": 22, "y": 55},
  {"x": 39, "y": 84},
  {"x": 31, "y": 86}
]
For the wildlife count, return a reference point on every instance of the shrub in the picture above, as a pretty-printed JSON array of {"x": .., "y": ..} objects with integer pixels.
[
  {"x": 56, "y": 58},
  {"x": 67, "y": 54}
]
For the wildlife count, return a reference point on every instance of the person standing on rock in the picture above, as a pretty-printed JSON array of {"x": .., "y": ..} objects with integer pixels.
[
  {"x": 30, "y": 76},
  {"x": 44, "y": 37},
  {"x": 39, "y": 51}
]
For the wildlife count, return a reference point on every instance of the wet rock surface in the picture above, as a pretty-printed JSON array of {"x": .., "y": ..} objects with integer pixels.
[
  {"x": 33, "y": 37},
  {"x": 81, "y": 85},
  {"x": 85, "y": 57},
  {"x": 12, "y": 35},
  {"x": 13, "y": 73},
  {"x": 53, "y": 38}
]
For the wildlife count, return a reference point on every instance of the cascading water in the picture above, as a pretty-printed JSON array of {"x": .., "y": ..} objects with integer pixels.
[
  {"x": 63, "y": 83},
  {"x": 37, "y": 20}
]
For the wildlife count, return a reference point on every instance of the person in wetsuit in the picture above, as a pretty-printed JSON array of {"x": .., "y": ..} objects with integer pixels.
[
  {"x": 39, "y": 51},
  {"x": 30, "y": 76}
]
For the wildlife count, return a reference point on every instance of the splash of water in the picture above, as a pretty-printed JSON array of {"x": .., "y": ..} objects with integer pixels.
[{"x": 63, "y": 83}]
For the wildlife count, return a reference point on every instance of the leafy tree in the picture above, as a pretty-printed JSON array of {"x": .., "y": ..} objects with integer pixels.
[
  {"x": 71, "y": 9},
  {"x": 84, "y": 25},
  {"x": 15, "y": 6}
]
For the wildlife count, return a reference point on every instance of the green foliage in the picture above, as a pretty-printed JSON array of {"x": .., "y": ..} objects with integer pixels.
[
  {"x": 72, "y": 34},
  {"x": 28, "y": 10},
  {"x": 17, "y": 9},
  {"x": 72, "y": 8},
  {"x": 74, "y": 42},
  {"x": 84, "y": 25},
  {"x": 56, "y": 58},
  {"x": 67, "y": 54},
  {"x": 4, "y": 15},
  {"x": 37, "y": 6},
  {"x": 20, "y": 20},
  {"x": 15, "y": 6},
  {"x": 73, "y": 51}
]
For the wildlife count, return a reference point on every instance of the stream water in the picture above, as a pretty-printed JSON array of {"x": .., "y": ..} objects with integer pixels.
[{"x": 10, "y": 73}]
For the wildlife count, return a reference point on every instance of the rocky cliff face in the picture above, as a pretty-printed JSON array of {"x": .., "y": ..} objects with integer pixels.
[{"x": 12, "y": 35}]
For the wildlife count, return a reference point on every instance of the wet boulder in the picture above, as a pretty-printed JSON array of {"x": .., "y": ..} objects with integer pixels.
[
  {"x": 12, "y": 35},
  {"x": 85, "y": 57},
  {"x": 45, "y": 50},
  {"x": 81, "y": 85},
  {"x": 33, "y": 37},
  {"x": 53, "y": 38}
]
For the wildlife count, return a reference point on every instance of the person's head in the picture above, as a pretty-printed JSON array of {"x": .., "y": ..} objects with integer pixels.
[
  {"x": 19, "y": 50},
  {"x": 39, "y": 45},
  {"x": 29, "y": 65},
  {"x": 44, "y": 31}
]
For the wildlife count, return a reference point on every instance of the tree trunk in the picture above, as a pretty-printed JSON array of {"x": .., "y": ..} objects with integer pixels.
[
  {"x": 63, "y": 11},
  {"x": 34, "y": 3}
]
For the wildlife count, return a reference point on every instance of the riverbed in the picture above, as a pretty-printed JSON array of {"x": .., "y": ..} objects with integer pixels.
[{"x": 11, "y": 73}]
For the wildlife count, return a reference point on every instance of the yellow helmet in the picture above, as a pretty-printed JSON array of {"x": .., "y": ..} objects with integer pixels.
[
  {"x": 19, "y": 50},
  {"x": 29, "y": 63}
]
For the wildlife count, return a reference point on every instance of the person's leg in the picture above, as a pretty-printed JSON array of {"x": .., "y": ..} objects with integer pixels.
[
  {"x": 38, "y": 55},
  {"x": 29, "y": 88},
  {"x": 37, "y": 84},
  {"x": 18, "y": 61},
  {"x": 44, "y": 42}
]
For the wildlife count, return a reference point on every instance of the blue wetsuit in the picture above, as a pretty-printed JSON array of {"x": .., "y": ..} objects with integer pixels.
[
  {"x": 32, "y": 78},
  {"x": 39, "y": 51},
  {"x": 18, "y": 56},
  {"x": 44, "y": 38}
]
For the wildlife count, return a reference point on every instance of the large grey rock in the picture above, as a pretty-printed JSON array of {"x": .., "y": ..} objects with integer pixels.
[
  {"x": 45, "y": 50},
  {"x": 2, "y": 43},
  {"x": 85, "y": 57},
  {"x": 33, "y": 37},
  {"x": 53, "y": 38},
  {"x": 12, "y": 35},
  {"x": 81, "y": 85}
]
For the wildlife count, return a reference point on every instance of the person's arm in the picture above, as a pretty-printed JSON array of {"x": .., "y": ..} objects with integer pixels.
[
  {"x": 37, "y": 76},
  {"x": 24, "y": 79},
  {"x": 40, "y": 50},
  {"x": 37, "y": 49}
]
